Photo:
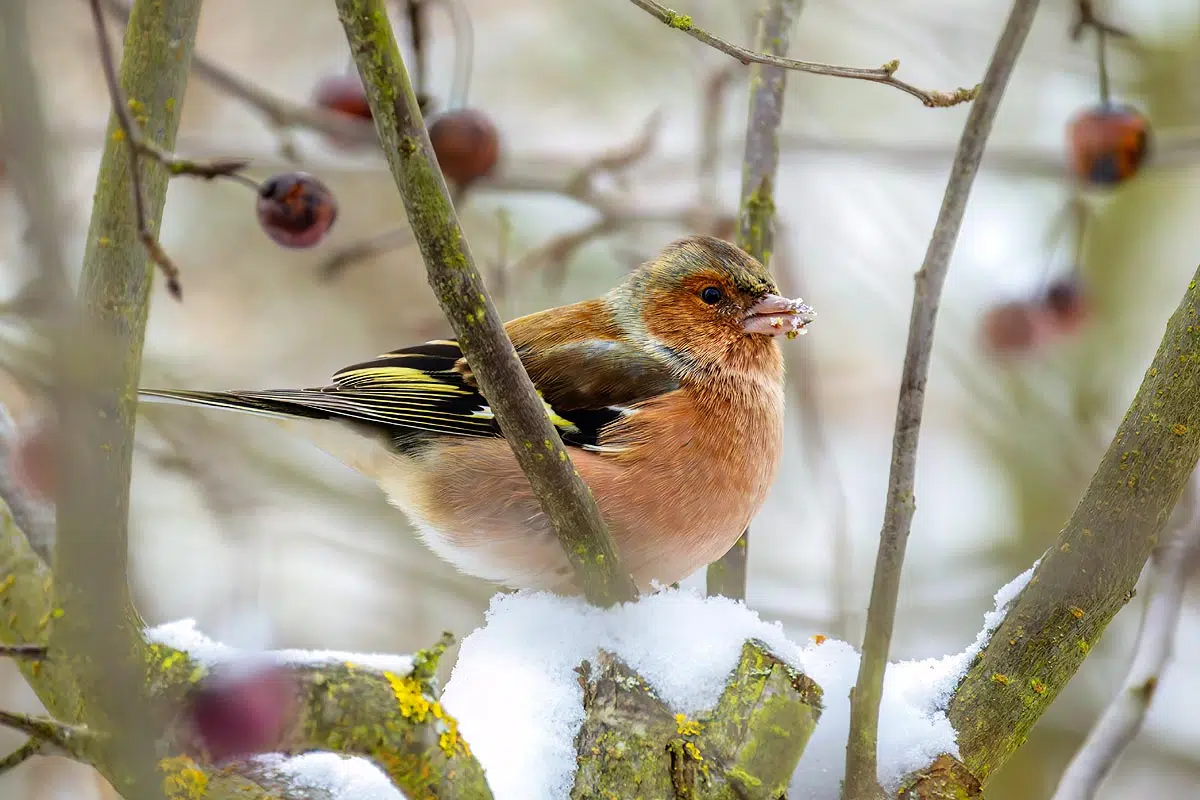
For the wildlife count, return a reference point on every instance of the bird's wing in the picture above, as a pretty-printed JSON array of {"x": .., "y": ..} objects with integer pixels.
[{"x": 585, "y": 385}]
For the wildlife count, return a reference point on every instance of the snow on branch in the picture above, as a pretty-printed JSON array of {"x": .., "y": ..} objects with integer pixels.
[{"x": 550, "y": 688}]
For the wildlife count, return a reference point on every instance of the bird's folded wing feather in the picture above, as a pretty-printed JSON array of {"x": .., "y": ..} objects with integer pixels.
[{"x": 585, "y": 385}]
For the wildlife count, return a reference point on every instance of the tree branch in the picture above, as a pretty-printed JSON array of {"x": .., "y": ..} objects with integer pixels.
[
  {"x": 1176, "y": 562},
  {"x": 51, "y": 736},
  {"x": 98, "y": 359},
  {"x": 861, "y": 768},
  {"x": 756, "y": 216},
  {"x": 884, "y": 74},
  {"x": 1089, "y": 573},
  {"x": 460, "y": 291},
  {"x": 748, "y": 746}
]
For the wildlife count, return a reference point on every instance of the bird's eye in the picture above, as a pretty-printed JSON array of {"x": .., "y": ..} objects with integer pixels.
[{"x": 711, "y": 295}]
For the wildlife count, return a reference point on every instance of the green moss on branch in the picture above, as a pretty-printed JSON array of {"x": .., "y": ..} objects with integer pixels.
[
  {"x": 460, "y": 291},
  {"x": 631, "y": 744},
  {"x": 1089, "y": 573},
  {"x": 98, "y": 363}
]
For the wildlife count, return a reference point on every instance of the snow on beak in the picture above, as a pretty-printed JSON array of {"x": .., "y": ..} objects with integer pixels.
[{"x": 773, "y": 315}]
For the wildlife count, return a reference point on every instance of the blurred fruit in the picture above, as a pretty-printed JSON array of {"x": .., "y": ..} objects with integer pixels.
[
  {"x": 1066, "y": 305},
  {"x": 32, "y": 461},
  {"x": 1010, "y": 328},
  {"x": 242, "y": 711},
  {"x": 1021, "y": 326},
  {"x": 295, "y": 209},
  {"x": 466, "y": 143},
  {"x": 344, "y": 93},
  {"x": 1108, "y": 143}
]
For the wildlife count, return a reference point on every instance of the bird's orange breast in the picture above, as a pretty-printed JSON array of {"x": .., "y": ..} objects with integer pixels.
[{"x": 685, "y": 474}]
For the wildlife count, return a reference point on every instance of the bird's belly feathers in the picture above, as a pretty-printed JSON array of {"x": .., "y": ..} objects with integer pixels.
[{"x": 675, "y": 499}]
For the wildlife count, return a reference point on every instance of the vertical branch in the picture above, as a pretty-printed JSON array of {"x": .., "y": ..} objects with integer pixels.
[
  {"x": 1176, "y": 563},
  {"x": 99, "y": 364},
  {"x": 756, "y": 216},
  {"x": 456, "y": 282},
  {"x": 1088, "y": 573},
  {"x": 861, "y": 768}
]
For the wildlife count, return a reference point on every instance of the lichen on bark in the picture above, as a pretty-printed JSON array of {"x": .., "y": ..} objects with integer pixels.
[{"x": 748, "y": 745}]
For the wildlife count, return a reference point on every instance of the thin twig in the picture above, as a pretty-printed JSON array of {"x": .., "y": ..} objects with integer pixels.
[
  {"x": 861, "y": 765},
  {"x": 65, "y": 739},
  {"x": 368, "y": 247},
  {"x": 1086, "y": 17},
  {"x": 133, "y": 136},
  {"x": 613, "y": 162},
  {"x": 563, "y": 496},
  {"x": 756, "y": 212},
  {"x": 1175, "y": 563},
  {"x": 16, "y": 758},
  {"x": 884, "y": 74}
]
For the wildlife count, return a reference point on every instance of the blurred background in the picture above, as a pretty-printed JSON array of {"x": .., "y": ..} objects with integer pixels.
[{"x": 1044, "y": 331}]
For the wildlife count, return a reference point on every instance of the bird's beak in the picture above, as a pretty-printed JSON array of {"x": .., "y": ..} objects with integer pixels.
[{"x": 773, "y": 315}]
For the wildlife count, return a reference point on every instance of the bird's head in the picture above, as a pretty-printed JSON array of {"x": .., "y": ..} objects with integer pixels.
[{"x": 707, "y": 299}]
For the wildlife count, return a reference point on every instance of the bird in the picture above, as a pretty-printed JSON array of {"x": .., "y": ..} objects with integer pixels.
[{"x": 667, "y": 391}]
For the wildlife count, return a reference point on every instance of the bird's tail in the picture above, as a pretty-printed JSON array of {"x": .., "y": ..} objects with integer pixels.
[{"x": 258, "y": 403}]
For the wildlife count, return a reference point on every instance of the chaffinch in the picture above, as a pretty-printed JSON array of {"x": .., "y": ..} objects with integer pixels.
[{"x": 668, "y": 389}]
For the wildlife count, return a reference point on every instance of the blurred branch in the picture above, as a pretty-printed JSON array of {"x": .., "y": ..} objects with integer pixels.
[
  {"x": 16, "y": 758},
  {"x": 1086, "y": 17},
  {"x": 98, "y": 357},
  {"x": 392, "y": 719},
  {"x": 579, "y": 185},
  {"x": 52, "y": 737},
  {"x": 365, "y": 248},
  {"x": 1175, "y": 562},
  {"x": 34, "y": 515},
  {"x": 756, "y": 213},
  {"x": 282, "y": 114},
  {"x": 462, "y": 296},
  {"x": 1089, "y": 573},
  {"x": 803, "y": 382},
  {"x": 884, "y": 74},
  {"x": 861, "y": 760}
]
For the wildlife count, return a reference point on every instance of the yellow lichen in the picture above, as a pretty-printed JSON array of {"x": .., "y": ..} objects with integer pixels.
[
  {"x": 184, "y": 780},
  {"x": 1001, "y": 678},
  {"x": 1076, "y": 612},
  {"x": 410, "y": 697},
  {"x": 687, "y": 727},
  {"x": 449, "y": 740}
]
